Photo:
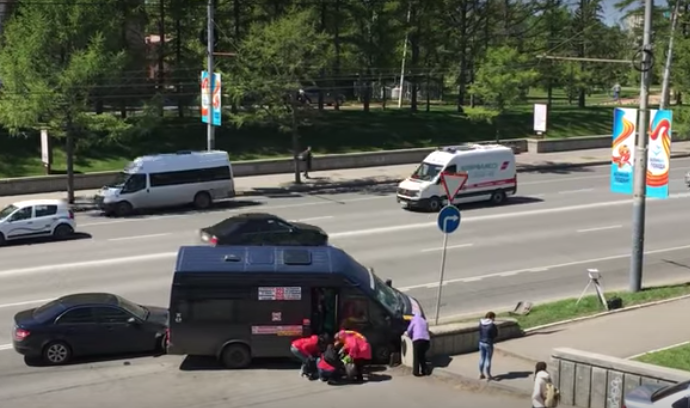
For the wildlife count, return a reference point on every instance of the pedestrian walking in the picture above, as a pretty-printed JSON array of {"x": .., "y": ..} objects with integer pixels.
[
  {"x": 306, "y": 157},
  {"x": 544, "y": 394},
  {"x": 487, "y": 334},
  {"x": 418, "y": 331}
]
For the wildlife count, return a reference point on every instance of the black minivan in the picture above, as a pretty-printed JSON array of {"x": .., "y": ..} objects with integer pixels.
[{"x": 237, "y": 303}]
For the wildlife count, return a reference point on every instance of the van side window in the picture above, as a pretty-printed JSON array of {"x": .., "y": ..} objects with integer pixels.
[
  {"x": 213, "y": 310},
  {"x": 453, "y": 168},
  {"x": 174, "y": 178},
  {"x": 354, "y": 309}
]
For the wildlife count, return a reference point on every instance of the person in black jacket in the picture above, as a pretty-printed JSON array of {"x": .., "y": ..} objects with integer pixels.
[{"x": 487, "y": 334}]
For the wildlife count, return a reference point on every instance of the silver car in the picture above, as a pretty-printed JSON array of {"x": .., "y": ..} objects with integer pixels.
[
  {"x": 687, "y": 179},
  {"x": 659, "y": 396}
]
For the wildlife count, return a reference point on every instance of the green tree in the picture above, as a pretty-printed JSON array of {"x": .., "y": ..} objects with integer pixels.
[
  {"x": 54, "y": 54},
  {"x": 272, "y": 62},
  {"x": 502, "y": 79}
]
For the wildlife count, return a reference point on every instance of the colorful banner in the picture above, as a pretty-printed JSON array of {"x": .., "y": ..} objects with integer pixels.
[
  {"x": 659, "y": 153},
  {"x": 623, "y": 150},
  {"x": 217, "y": 88}
]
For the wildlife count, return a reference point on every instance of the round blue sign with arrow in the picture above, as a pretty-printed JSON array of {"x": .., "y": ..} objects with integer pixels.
[{"x": 449, "y": 219}]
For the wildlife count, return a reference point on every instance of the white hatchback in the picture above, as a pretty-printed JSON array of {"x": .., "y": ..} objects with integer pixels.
[{"x": 36, "y": 219}]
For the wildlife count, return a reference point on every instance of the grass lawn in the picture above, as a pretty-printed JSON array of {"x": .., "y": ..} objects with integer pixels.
[
  {"x": 677, "y": 357},
  {"x": 566, "y": 309},
  {"x": 331, "y": 132}
]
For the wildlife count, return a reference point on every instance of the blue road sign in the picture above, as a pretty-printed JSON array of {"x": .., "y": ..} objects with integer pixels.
[{"x": 448, "y": 219}]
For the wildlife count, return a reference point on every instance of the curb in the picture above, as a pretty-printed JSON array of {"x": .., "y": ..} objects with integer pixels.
[
  {"x": 602, "y": 314},
  {"x": 470, "y": 384}
]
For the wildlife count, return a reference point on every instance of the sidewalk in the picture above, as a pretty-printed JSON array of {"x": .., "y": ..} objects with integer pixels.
[
  {"x": 323, "y": 181},
  {"x": 621, "y": 335}
]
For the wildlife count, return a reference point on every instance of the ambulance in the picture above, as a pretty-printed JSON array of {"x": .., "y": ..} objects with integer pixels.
[{"x": 491, "y": 174}]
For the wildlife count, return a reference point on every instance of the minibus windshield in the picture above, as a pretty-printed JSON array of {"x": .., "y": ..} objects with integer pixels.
[
  {"x": 385, "y": 294},
  {"x": 427, "y": 171},
  {"x": 120, "y": 180}
]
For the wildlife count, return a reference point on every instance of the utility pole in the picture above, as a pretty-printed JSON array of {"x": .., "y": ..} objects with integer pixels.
[
  {"x": 402, "y": 65},
  {"x": 665, "y": 97},
  {"x": 640, "y": 180},
  {"x": 211, "y": 34}
]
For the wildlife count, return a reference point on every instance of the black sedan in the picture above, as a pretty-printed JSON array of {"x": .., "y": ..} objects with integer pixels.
[
  {"x": 262, "y": 229},
  {"x": 88, "y": 324}
]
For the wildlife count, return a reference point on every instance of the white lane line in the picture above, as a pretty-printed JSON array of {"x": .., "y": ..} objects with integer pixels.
[
  {"x": 610, "y": 227},
  {"x": 140, "y": 237},
  {"x": 448, "y": 247},
  {"x": 238, "y": 210},
  {"x": 5, "y": 347},
  {"x": 658, "y": 350},
  {"x": 25, "y": 303},
  {"x": 539, "y": 268},
  {"x": 88, "y": 264},
  {"x": 325, "y": 217},
  {"x": 582, "y": 190}
]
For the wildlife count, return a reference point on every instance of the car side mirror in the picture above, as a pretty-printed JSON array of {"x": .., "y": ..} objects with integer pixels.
[{"x": 132, "y": 321}]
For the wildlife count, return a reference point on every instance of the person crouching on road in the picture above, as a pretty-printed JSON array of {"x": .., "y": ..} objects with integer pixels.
[
  {"x": 418, "y": 331},
  {"x": 487, "y": 334},
  {"x": 329, "y": 365},
  {"x": 307, "y": 349}
]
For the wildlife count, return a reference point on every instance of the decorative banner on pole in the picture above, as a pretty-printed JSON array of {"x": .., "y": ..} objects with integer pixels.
[
  {"x": 659, "y": 160},
  {"x": 217, "y": 91},
  {"x": 540, "y": 113},
  {"x": 623, "y": 150}
]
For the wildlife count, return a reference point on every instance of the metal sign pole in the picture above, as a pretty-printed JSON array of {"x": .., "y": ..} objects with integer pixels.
[{"x": 440, "y": 279}]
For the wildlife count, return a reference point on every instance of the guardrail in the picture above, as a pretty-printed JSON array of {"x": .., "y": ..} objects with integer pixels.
[
  {"x": 89, "y": 181},
  {"x": 459, "y": 338},
  {"x": 590, "y": 380}
]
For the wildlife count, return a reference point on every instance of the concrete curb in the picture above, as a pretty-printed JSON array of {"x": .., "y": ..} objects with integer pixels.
[
  {"x": 471, "y": 384},
  {"x": 594, "y": 316}
]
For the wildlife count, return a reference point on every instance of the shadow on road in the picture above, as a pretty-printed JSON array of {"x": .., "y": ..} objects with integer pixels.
[{"x": 38, "y": 241}]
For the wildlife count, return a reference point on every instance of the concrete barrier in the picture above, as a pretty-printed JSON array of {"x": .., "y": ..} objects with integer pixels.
[
  {"x": 569, "y": 144},
  {"x": 589, "y": 380},
  {"x": 459, "y": 338}
]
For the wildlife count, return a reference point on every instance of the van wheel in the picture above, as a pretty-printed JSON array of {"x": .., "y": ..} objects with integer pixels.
[
  {"x": 236, "y": 356},
  {"x": 202, "y": 201},
  {"x": 435, "y": 204},
  {"x": 123, "y": 209},
  {"x": 498, "y": 197},
  {"x": 62, "y": 231},
  {"x": 383, "y": 355}
]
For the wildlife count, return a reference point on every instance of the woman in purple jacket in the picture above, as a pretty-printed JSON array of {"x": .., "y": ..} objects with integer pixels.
[{"x": 418, "y": 331}]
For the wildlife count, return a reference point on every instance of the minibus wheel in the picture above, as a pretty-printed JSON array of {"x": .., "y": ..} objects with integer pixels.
[
  {"x": 236, "y": 356},
  {"x": 498, "y": 197},
  {"x": 435, "y": 204},
  {"x": 202, "y": 200},
  {"x": 123, "y": 209}
]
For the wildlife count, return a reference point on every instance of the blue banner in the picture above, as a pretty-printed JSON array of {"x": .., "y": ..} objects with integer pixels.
[
  {"x": 659, "y": 154},
  {"x": 216, "y": 100},
  {"x": 623, "y": 150}
]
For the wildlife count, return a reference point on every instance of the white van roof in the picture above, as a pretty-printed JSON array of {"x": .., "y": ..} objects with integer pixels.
[
  {"x": 182, "y": 160},
  {"x": 442, "y": 155}
]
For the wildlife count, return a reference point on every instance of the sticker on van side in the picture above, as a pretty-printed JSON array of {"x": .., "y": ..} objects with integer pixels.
[
  {"x": 483, "y": 170},
  {"x": 287, "y": 331},
  {"x": 285, "y": 293}
]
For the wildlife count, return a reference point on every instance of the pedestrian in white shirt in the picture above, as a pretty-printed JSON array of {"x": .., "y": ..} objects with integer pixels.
[{"x": 541, "y": 379}]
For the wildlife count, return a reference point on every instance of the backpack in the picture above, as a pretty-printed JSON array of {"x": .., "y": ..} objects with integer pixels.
[{"x": 553, "y": 396}]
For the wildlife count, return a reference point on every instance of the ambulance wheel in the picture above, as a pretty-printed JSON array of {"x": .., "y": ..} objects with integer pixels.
[
  {"x": 498, "y": 197},
  {"x": 435, "y": 204},
  {"x": 236, "y": 356}
]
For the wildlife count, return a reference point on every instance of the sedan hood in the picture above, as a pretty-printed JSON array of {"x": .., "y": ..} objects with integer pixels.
[
  {"x": 309, "y": 227},
  {"x": 157, "y": 315}
]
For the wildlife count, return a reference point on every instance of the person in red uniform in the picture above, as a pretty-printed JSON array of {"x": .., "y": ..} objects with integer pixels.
[
  {"x": 330, "y": 365},
  {"x": 306, "y": 350}
]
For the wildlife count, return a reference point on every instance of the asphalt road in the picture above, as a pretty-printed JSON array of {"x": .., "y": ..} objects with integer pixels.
[{"x": 538, "y": 247}]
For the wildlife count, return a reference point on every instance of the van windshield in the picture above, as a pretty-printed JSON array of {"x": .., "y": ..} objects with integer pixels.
[
  {"x": 386, "y": 295},
  {"x": 120, "y": 180},
  {"x": 427, "y": 171}
]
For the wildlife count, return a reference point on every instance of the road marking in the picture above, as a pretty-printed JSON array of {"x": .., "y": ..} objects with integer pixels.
[
  {"x": 88, "y": 264},
  {"x": 237, "y": 210},
  {"x": 325, "y": 217},
  {"x": 582, "y": 190},
  {"x": 610, "y": 227},
  {"x": 140, "y": 237},
  {"x": 538, "y": 268},
  {"x": 25, "y": 303},
  {"x": 448, "y": 247},
  {"x": 6, "y": 347},
  {"x": 658, "y": 350}
]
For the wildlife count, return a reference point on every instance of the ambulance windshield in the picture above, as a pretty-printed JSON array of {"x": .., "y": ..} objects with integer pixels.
[{"x": 427, "y": 171}]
